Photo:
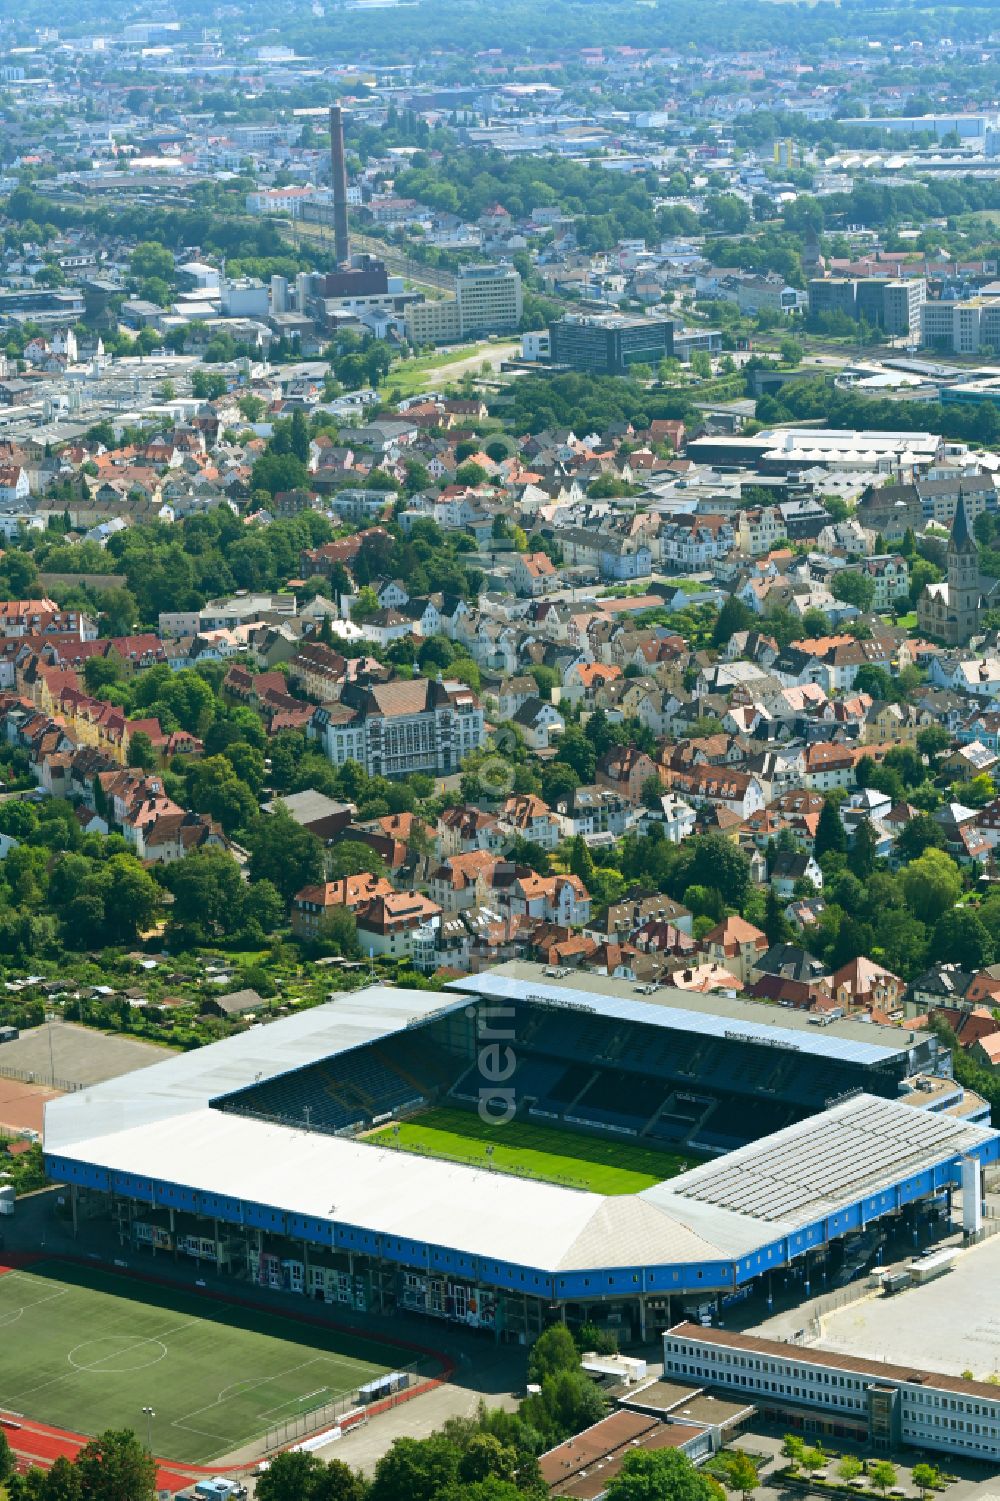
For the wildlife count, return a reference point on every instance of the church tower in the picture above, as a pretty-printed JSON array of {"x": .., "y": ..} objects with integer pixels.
[{"x": 963, "y": 577}]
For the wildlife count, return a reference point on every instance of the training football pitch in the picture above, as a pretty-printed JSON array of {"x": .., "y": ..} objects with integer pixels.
[
  {"x": 553, "y": 1154},
  {"x": 86, "y": 1350}
]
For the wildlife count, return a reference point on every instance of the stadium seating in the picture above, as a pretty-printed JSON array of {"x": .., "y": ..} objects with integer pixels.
[
  {"x": 347, "y": 1090},
  {"x": 661, "y": 1083}
]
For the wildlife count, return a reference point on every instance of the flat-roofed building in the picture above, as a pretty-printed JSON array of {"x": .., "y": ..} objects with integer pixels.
[{"x": 869, "y": 1400}]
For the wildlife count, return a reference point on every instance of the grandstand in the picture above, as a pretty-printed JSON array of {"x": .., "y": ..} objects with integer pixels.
[
  {"x": 704, "y": 1074},
  {"x": 249, "y": 1149}
]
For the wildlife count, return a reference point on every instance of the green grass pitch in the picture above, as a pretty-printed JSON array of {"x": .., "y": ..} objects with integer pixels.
[
  {"x": 553, "y": 1154},
  {"x": 86, "y": 1350}
]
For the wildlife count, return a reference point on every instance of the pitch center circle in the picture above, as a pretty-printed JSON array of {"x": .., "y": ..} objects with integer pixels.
[{"x": 115, "y": 1354}]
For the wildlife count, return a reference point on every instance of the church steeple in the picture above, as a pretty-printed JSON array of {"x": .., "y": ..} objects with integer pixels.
[
  {"x": 961, "y": 536},
  {"x": 963, "y": 574}
]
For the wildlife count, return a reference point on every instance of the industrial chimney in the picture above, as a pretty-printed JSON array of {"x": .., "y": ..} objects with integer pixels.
[{"x": 338, "y": 166}]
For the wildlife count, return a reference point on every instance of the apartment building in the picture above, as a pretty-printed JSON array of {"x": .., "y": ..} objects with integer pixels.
[
  {"x": 760, "y": 529},
  {"x": 890, "y": 575},
  {"x": 844, "y": 1395},
  {"x": 394, "y": 728}
]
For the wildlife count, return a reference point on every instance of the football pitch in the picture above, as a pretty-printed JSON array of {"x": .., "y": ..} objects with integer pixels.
[
  {"x": 87, "y": 1350},
  {"x": 553, "y": 1154}
]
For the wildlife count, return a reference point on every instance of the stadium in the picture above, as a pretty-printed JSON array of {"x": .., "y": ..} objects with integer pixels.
[{"x": 355, "y": 1153}]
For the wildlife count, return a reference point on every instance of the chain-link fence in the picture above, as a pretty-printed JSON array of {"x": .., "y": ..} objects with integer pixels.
[
  {"x": 32, "y": 1076},
  {"x": 350, "y": 1408}
]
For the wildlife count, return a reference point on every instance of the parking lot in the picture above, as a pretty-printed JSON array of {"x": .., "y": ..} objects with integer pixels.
[
  {"x": 951, "y": 1325},
  {"x": 79, "y": 1055},
  {"x": 972, "y": 1482}
]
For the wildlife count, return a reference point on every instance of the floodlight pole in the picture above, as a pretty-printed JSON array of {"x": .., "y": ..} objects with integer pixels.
[{"x": 150, "y": 1415}]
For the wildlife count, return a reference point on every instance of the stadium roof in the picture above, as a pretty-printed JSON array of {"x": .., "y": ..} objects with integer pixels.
[
  {"x": 708, "y": 1015},
  {"x": 814, "y": 1168},
  {"x": 186, "y": 1081},
  {"x": 721, "y": 1210},
  {"x": 156, "y": 1124}
]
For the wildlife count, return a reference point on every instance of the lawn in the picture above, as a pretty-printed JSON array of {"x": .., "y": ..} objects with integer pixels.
[
  {"x": 550, "y": 1153},
  {"x": 87, "y": 1350},
  {"x": 411, "y": 377}
]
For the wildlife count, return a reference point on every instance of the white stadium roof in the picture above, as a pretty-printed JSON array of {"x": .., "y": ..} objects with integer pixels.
[{"x": 184, "y": 1081}]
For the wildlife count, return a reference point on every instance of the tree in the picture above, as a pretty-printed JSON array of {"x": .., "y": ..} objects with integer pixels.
[
  {"x": 849, "y": 1468},
  {"x": 470, "y": 474},
  {"x": 815, "y": 622},
  {"x": 546, "y": 679},
  {"x": 577, "y": 751},
  {"x": 741, "y": 1473},
  {"x": 140, "y": 751},
  {"x": 925, "y": 1478},
  {"x": 336, "y": 1481},
  {"x": 100, "y": 672},
  {"x": 554, "y": 1350},
  {"x": 734, "y": 616},
  {"x": 131, "y": 898},
  {"x": 338, "y": 930},
  {"x": 252, "y": 408},
  {"x": 874, "y": 681},
  {"x": 115, "y": 1467},
  {"x": 215, "y": 789},
  {"x": 659, "y": 1475},
  {"x": 567, "y": 1403},
  {"x": 863, "y": 850},
  {"x": 961, "y": 937},
  {"x": 62, "y": 1483},
  {"x": 776, "y": 924},
  {"x": 365, "y": 606},
  {"x": 882, "y": 1474},
  {"x": 18, "y": 572},
  {"x": 487, "y": 1458},
  {"x": 790, "y": 351},
  {"x": 208, "y": 892},
  {"x": 298, "y": 437},
  {"x": 289, "y": 1477},
  {"x": 559, "y": 782},
  {"x": 119, "y": 612},
  {"x": 282, "y": 852},
  {"x": 830, "y": 831},
  {"x": 793, "y": 1447},
  {"x": 415, "y": 1468},
  {"x": 932, "y": 884},
  {"x": 581, "y": 861},
  {"x": 933, "y": 740},
  {"x": 921, "y": 833},
  {"x": 715, "y": 861},
  {"x": 6, "y": 1458},
  {"x": 352, "y": 857},
  {"x": 812, "y": 1459},
  {"x": 652, "y": 793},
  {"x": 152, "y": 261},
  {"x": 277, "y": 472}
]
